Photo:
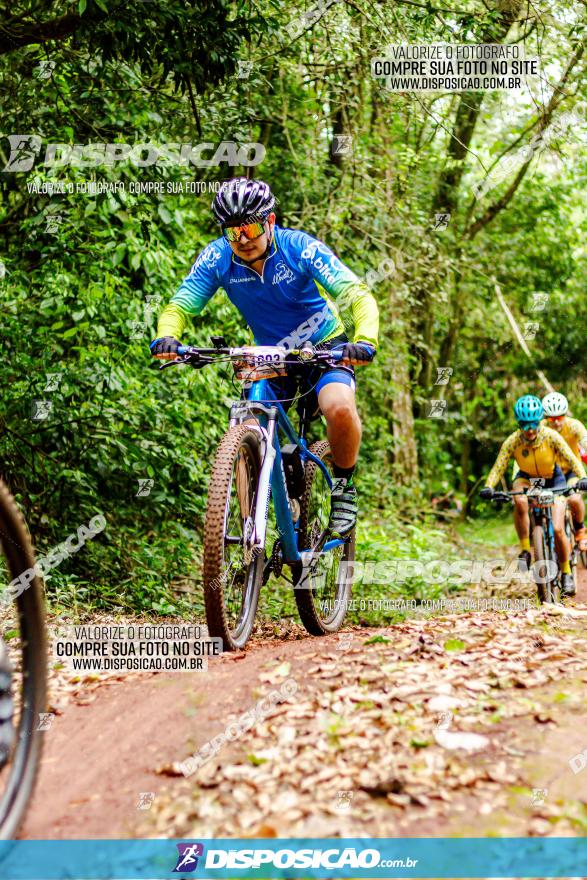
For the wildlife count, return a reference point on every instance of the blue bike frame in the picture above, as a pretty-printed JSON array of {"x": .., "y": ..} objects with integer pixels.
[{"x": 262, "y": 393}]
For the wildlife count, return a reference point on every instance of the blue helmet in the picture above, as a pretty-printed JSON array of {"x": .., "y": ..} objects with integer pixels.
[{"x": 528, "y": 409}]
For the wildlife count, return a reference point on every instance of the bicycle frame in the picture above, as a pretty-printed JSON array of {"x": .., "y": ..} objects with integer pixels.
[
  {"x": 267, "y": 409},
  {"x": 542, "y": 515}
]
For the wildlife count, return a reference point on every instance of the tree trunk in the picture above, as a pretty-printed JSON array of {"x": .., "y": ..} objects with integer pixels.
[{"x": 405, "y": 451}]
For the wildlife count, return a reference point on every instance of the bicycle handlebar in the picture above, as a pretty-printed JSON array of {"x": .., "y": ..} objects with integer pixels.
[
  {"x": 507, "y": 496},
  {"x": 266, "y": 354}
]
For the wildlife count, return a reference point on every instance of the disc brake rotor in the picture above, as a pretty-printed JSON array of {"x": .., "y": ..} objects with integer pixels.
[{"x": 248, "y": 531}]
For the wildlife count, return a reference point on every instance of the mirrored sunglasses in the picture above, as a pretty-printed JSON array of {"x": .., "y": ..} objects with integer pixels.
[{"x": 249, "y": 230}]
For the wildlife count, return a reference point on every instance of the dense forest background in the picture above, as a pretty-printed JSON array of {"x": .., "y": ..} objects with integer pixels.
[{"x": 373, "y": 173}]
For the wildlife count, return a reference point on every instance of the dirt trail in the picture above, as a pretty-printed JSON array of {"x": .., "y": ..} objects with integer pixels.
[{"x": 366, "y": 745}]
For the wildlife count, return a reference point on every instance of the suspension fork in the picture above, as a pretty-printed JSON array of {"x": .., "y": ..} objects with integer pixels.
[{"x": 264, "y": 481}]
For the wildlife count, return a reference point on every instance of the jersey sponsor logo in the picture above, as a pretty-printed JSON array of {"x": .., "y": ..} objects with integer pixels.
[
  {"x": 324, "y": 267},
  {"x": 282, "y": 273},
  {"x": 315, "y": 247},
  {"x": 209, "y": 257},
  {"x": 241, "y": 280}
]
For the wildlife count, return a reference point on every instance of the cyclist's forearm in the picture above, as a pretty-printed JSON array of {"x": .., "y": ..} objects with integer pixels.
[
  {"x": 577, "y": 466},
  {"x": 172, "y": 321},
  {"x": 494, "y": 476},
  {"x": 365, "y": 314},
  {"x": 498, "y": 469}
]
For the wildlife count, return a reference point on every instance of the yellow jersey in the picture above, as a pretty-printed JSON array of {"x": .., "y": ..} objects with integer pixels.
[
  {"x": 574, "y": 432},
  {"x": 538, "y": 458}
]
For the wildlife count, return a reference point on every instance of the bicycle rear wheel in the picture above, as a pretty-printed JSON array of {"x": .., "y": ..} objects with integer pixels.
[
  {"x": 23, "y": 670},
  {"x": 542, "y": 567},
  {"x": 574, "y": 550},
  {"x": 232, "y": 570},
  {"x": 323, "y": 593}
]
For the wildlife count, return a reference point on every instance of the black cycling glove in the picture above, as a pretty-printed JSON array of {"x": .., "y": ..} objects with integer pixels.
[
  {"x": 362, "y": 352},
  {"x": 164, "y": 345}
]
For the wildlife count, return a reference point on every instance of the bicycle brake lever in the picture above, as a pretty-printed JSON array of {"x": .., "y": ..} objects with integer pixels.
[{"x": 178, "y": 362}]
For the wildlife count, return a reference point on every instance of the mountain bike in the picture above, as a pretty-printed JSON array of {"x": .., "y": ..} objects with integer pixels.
[
  {"x": 576, "y": 554},
  {"x": 250, "y": 469},
  {"x": 546, "y": 570},
  {"x": 23, "y": 670}
]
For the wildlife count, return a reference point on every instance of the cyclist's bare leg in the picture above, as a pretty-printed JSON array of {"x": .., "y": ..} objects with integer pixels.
[
  {"x": 577, "y": 508},
  {"x": 560, "y": 538},
  {"x": 343, "y": 425},
  {"x": 521, "y": 515}
]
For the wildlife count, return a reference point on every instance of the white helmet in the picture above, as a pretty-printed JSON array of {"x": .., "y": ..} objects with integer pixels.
[{"x": 555, "y": 404}]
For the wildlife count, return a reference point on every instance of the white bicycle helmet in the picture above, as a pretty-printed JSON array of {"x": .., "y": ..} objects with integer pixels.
[{"x": 555, "y": 404}]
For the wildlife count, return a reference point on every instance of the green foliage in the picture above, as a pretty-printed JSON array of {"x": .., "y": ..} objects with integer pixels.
[{"x": 79, "y": 268}]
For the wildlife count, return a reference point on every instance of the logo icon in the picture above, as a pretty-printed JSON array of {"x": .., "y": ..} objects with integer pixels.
[
  {"x": 145, "y": 487},
  {"x": 342, "y": 145},
  {"x": 45, "y": 720},
  {"x": 210, "y": 256},
  {"x": 23, "y": 150},
  {"x": 41, "y": 409},
  {"x": 146, "y": 799},
  {"x": 282, "y": 273},
  {"x": 531, "y": 329},
  {"x": 188, "y": 855},
  {"x": 436, "y": 409},
  {"x": 344, "y": 800},
  {"x": 441, "y": 221},
  {"x": 443, "y": 375},
  {"x": 53, "y": 381},
  {"x": 244, "y": 69}
]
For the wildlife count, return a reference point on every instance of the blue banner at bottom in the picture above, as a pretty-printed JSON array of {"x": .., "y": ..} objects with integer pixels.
[{"x": 280, "y": 857}]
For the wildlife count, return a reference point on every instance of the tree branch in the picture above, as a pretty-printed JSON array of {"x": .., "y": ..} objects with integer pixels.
[
  {"x": 557, "y": 97},
  {"x": 38, "y": 32},
  {"x": 446, "y": 197}
]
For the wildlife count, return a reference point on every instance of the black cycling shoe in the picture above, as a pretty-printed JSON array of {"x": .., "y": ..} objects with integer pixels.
[
  {"x": 524, "y": 560},
  {"x": 568, "y": 587},
  {"x": 343, "y": 507}
]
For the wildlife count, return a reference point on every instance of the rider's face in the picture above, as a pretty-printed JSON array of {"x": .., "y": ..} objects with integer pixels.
[
  {"x": 556, "y": 422},
  {"x": 530, "y": 433},
  {"x": 253, "y": 249}
]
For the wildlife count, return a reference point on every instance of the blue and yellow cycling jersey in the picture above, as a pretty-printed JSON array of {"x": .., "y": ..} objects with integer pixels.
[{"x": 290, "y": 302}]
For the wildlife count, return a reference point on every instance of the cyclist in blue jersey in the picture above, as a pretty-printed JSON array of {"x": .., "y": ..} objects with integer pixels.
[{"x": 285, "y": 283}]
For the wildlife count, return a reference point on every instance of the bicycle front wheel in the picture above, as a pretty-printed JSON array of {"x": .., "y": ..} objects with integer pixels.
[
  {"x": 542, "y": 566},
  {"x": 232, "y": 569},
  {"x": 23, "y": 670},
  {"x": 324, "y": 591}
]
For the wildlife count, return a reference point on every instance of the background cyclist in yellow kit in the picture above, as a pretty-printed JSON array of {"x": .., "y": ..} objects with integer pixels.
[
  {"x": 539, "y": 452},
  {"x": 574, "y": 432}
]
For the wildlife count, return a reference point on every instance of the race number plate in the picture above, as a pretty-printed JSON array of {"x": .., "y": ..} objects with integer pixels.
[{"x": 261, "y": 362}]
